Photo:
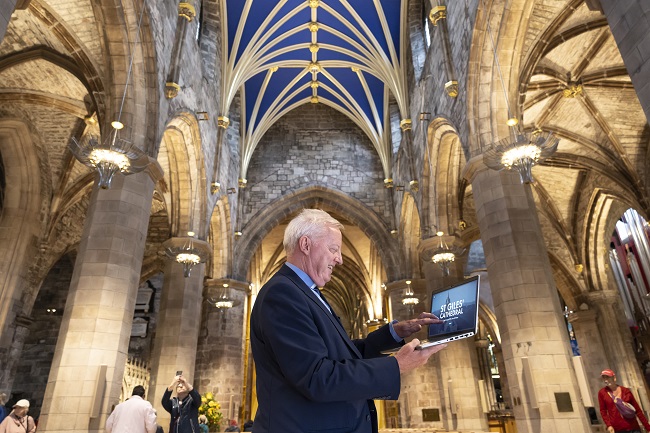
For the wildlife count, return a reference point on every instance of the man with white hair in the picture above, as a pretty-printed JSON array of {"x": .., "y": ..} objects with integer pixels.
[
  {"x": 310, "y": 375},
  {"x": 18, "y": 421}
]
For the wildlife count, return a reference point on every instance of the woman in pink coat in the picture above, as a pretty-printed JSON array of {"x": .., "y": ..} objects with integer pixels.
[{"x": 18, "y": 421}]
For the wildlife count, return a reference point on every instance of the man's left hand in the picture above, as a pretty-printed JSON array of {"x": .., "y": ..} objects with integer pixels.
[{"x": 406, "y": 328}]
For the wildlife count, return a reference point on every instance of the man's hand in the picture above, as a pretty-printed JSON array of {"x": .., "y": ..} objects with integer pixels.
[
  {"x": 406, "y": 328},
  {"x": 408, "y": 358}
]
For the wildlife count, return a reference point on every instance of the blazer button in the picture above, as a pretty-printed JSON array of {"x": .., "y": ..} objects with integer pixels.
[{"x": 367, "y": 417}]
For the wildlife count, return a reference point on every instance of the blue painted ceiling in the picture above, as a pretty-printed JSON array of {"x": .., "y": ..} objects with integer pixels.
[{"x": 347, "y": 54}]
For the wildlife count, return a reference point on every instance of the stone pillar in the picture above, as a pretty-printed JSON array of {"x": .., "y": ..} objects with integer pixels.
[
  {"x": 20, "y": 334},
  {"x": 527, "y": 306},
  {"x": 459, "y": 370},
  {"x": 585, "y": 326},
  {"x": 419, "y": 388},
  {"x": 630, "y": 25},
  {"x": 98, "y": 314},
  {"x": 220, "y": 361},
  {"x": 179, "y": 321},
  {"x": 616, "y": 337}
]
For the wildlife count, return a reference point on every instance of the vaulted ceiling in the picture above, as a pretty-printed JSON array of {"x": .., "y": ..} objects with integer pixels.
[{"x": 348, "y": 55}]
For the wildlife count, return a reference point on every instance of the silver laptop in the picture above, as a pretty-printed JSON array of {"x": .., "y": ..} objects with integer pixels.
[{"x": 457, "y": 306}]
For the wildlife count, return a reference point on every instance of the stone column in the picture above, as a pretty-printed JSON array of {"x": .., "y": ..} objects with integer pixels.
[
  {"x": 179, "y": 321},
  {"x": 459, "y": 370},
  {"x": 9, "y": 368},
  {"x": 527, "y": 306},
  {"x": 220, "y": 361},
  {"x": 618, "y": 347},
  {"x": 419, "y": 387},
  {"x": 98, "y": 314},
  {"x": 630, "y": 25}
]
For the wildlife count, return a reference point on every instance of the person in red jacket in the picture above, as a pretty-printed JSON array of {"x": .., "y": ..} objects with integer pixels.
[{"x": 612, "y": 417}]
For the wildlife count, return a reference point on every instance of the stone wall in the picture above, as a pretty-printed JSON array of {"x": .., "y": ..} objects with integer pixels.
[{"x": 314, "y": 145}]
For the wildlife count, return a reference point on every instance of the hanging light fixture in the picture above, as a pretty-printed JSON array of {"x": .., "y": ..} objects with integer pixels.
[
  {"x": 444, "y": 255},
  {"x": 523, "y": 149},
  {"x": 114, "y": 153},
  {"x": 521, "y": 152},
  {"x": 224, "y": 301},
  {"x": 188, "y": 253},
  {"x": 409, "y": 297}
]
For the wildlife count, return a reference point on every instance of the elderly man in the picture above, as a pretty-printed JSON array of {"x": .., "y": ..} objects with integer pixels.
[
  {"x": 135, "y": 415},
  {"x": 310, "y": 375}
]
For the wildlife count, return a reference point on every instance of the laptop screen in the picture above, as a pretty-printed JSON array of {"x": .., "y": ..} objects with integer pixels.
[{"x": 457, "y": 306}]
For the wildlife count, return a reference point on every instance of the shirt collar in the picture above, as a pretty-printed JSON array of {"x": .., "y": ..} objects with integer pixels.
[{"x": 302, "y": 274}]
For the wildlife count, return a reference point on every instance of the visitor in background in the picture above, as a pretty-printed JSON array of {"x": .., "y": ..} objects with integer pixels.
[
  {"x": 184, "y": 408},
  {"x": 18, "y": 421},
  {"x": 618, "y": 407},
  {"x": 135, "y": 415},
  {"x": 203, "y": 423}
]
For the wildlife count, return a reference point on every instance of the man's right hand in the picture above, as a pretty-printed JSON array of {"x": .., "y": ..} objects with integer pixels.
[{"x": 408, "y": 358}]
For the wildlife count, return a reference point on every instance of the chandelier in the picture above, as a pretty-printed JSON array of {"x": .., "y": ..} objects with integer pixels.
[
  {"x": 521, "y": 152},
  {"x": 224, "y": 301},
  {"x": 109, "y": 157},
  {"x": 444, "y": 255},
  {"x": 188, "y": 253},
  {"x": 114, "y": 154},
  {"x": 409, "y": 297}
]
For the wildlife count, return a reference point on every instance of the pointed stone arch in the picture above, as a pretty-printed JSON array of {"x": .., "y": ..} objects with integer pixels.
[
  {"x": 181, "y": 158},
  {"x": 329, "y": 200},
  {"x": 20, "y": 219}
]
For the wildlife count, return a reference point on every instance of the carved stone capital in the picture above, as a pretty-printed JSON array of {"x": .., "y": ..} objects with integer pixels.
[
  {"x": 171, "y": 90},
  {"x": 437, "y": 13},
  {"x": 451, "y": 87},
  {"x": 187, "y": 11}
]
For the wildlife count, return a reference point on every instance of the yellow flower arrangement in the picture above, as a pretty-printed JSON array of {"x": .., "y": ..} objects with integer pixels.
[{"x": 211, "y": 409}]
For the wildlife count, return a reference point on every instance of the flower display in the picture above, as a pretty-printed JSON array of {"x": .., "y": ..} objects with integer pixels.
[{"x": 211, "y": 409}]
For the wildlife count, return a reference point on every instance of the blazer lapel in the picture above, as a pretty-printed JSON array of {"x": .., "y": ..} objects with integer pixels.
[{"x": 291, "y": 275}]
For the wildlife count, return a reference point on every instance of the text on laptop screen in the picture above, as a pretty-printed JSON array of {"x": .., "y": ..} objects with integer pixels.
[{"x": 456, "y": 306}]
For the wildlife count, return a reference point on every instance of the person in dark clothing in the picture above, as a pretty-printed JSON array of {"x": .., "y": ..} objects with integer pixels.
[
  {"x": 248, "y": 425},
  {"x": 184, "y": 408}
]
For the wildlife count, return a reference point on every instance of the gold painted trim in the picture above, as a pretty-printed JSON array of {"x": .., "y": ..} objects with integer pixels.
[
  {"x": 451, "y": 87},
  {"x": 437, "y": 13},
  {"x": 313, "y": 27},
  {"x": 186, "y": 10},
  {"x": 314, "y": 48},
  {"x": 388, "y": 182},
  {"x": 223, "y": 122},
  {"x": 242, "y": 183},
  {"x": 415, "y": 185},
  {"x": 314, "y": 3},
  {"x": 171, "y": 90},
  {"x": 405, "y": 124},
  {"x": 314, "y": 100}
]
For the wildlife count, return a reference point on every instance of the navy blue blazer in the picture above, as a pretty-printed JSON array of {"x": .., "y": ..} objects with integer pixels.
[{"x": 310, "y": 376}]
